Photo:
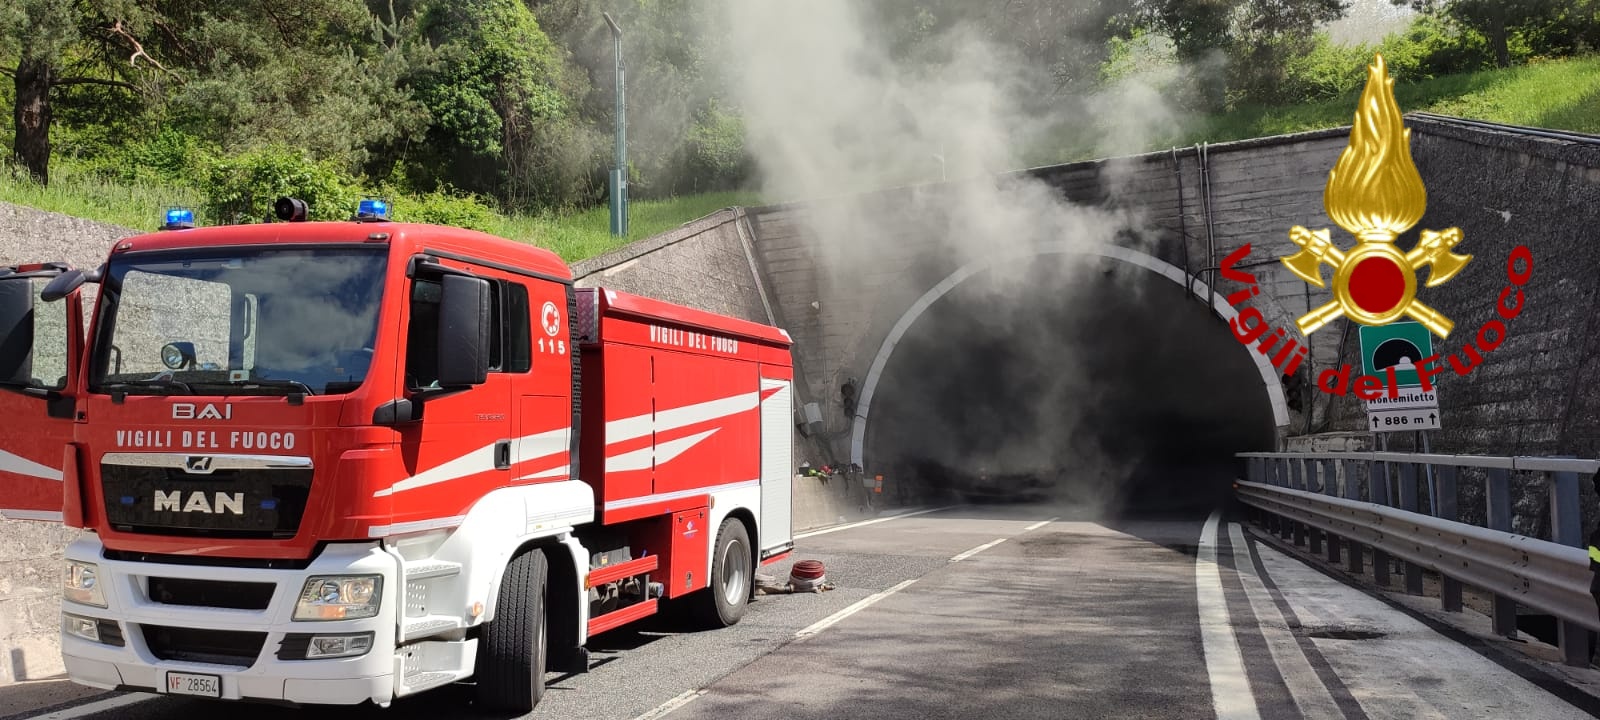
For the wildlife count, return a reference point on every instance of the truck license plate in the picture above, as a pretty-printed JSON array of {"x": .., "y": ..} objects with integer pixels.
[{"x": 191, "y": 684}]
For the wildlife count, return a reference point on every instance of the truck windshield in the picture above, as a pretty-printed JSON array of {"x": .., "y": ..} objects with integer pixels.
[{"x": 239, "y": 321}]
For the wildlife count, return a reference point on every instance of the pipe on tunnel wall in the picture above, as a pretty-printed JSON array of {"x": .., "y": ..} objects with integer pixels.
[{"x": 1270, "y": 381}]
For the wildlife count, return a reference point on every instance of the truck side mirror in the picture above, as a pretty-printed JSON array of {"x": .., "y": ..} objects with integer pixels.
[
  {"x": 463, "y": 331},
  {"x": 62, "y": 285}
]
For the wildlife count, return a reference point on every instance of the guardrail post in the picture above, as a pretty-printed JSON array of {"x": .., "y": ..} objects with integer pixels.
[
  {"x": 1498, "y": 496},
  {"x": 1297, "y": 473},
  {"x": 1352, "y": 491},
  {"x": 1276, "y": 479},
  {"x": 1313, "y": 468},
  {"x": 1445, "y": 503},
  {"x": 1379, "y": 472},
  {"x": 1285, "y": 480},
  {"x": 1330, "y": 487},
  {"x": 1408, "y": 502},
  {"x": 1567, "y": 528}
]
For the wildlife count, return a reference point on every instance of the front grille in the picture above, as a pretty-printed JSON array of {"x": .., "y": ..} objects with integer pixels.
[
  {"x": 211, "y": 593},
  {"x": 220, "y": 647},
  {"x": 244, "y": 503}
]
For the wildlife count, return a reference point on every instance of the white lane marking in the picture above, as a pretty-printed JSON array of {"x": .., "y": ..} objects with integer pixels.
[
  {"x": 976, "y": 550},
  {"x": 1310, "y": 695},
  {"x": 859, "y": 605},
  {"x": 864, "y": 523},
  {"x": 671, "y": 705},
  {"x": 1230, "y": 687},
  {"x": 97, "y": 706},
  {"x": 1040, "y": 524}
]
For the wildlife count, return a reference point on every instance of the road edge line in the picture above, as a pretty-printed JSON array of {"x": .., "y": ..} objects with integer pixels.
[
  {"x": 1231, "y": 695},
  {"x": 681, "y": 700},
  {"x": 863, "y": 523},
  {"x": 814, "y": 628}
]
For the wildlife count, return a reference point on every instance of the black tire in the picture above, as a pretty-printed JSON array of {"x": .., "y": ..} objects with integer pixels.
[
  {"x": 731, "y": 575},
  {"x": 511, "y": 653}
]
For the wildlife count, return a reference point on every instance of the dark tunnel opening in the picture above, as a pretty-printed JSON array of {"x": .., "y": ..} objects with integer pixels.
[{"x": 1073, "y": 379}]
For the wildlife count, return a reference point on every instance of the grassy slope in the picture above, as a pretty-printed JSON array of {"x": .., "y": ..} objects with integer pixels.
[{"x": 1563, "y": 95}]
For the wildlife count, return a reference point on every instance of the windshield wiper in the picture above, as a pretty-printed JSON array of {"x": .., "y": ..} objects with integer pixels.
[
  {"x": 275, "y": 382},
  {"x": 154, "y": 383}
]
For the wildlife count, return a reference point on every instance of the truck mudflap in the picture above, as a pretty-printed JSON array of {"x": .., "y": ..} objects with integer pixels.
[{"x": 230, "y": 632}]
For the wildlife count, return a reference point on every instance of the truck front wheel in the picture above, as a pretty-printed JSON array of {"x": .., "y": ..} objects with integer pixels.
[
  {"x": 723, "y": 603},
  {"x": 511, "y": 653}
]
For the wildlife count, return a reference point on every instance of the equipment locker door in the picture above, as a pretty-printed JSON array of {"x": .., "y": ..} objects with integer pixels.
[
  {"x": 40, "y": 344},
  {"x": 777, "y": 472}
]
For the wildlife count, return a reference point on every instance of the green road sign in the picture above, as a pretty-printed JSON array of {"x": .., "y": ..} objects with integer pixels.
[{"x": 1395, "y": 344}]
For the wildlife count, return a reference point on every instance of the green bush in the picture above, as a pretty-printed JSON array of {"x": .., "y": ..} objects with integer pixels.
[
  {"x": 717, "y": 158},
  {"x": 442, "y": 208},
  {"x": 1428, "y": 48},
  {"x": 242, "y": 188}
]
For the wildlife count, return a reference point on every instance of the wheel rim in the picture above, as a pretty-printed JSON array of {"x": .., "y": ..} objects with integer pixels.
[{"x": 734, "y": 561}]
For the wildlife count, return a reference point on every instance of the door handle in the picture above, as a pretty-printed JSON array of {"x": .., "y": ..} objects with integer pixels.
[{"x": 502, "y": 455}]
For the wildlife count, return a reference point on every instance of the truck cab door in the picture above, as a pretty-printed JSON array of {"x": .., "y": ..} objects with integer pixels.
[{"x": 40, "y": 344}]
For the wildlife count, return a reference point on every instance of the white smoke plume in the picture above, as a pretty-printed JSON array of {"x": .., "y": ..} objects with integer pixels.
[{"x": 829, "y": 112}]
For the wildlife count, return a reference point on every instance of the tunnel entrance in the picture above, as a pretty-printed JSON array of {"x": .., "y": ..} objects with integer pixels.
[{"x": 1073, "y": 379}]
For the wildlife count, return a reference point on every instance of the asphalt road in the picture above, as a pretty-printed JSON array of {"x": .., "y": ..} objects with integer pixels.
[{"x": 993, "y": 612}]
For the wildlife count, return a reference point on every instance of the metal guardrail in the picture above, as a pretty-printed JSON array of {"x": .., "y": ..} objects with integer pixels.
[{"x": 1349, "y": 497}]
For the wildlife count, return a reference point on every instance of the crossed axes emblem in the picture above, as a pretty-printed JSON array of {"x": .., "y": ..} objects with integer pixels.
[{"x": 1376, "y": 258}]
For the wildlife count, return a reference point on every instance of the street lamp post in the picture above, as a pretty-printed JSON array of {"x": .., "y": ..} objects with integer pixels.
[{"x": 619, "y": 174}]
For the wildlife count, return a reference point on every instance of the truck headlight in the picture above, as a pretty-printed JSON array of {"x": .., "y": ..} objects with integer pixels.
[
  {"x": 79, "y": 626},
  {"x": 337, "y": 646},
  {"x": 82, "y": 584},
  {"x": 339, "y": 597}
]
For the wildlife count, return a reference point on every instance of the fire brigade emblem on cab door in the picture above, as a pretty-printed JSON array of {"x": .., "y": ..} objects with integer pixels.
[{"x": 551, "y": 318}]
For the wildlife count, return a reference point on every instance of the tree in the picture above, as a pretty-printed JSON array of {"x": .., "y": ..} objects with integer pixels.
[
  {"x": 500, "y": 103},
  {"x": 1255, "y": 37},
  {"x": 1496, "y": 19},
  {"x": 60, "y": 43}
]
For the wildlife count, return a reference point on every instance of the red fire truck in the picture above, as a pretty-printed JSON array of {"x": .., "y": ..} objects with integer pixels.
[{"x": 340, "y": 462}]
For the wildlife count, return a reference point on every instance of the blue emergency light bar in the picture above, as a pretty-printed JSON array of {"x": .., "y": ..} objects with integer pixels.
[
  {"x": 178, "y": 218},
  {"x": 372, "y": 209}
]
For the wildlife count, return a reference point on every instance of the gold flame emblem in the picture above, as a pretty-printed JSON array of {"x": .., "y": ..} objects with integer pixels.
[{"x": 1375, "y": 193}]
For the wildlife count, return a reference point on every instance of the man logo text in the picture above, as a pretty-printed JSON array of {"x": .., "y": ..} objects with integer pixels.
[
  {"x": 197, "y": 502},
  {"x": 208, "y": 411}
]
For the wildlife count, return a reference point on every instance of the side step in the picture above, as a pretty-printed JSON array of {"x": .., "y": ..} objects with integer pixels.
[
  {"x": 618, "y": 618},
  {"x": 611, "y": 574}
]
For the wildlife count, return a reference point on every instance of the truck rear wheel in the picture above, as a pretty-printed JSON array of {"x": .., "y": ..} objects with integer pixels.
[
  {"x": 723, "y": 603},
  {"x": 511, "y": 654}
]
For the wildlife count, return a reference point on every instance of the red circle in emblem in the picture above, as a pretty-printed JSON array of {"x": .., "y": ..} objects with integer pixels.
[{"x": 1377, "y": 284}]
